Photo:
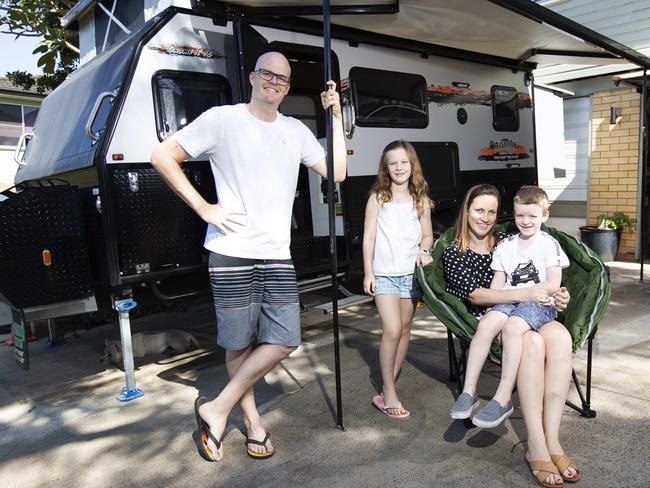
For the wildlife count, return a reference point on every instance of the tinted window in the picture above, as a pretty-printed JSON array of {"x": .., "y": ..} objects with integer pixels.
[
  {"x": 505, "y": 108},
  {"x": 439, "y": 161},
  {"x": 180, "y": 97},
  {"x": 389, "y": 98}
]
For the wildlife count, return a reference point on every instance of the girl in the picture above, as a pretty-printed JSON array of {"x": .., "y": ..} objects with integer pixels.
[{"x": 397, "y": 236}]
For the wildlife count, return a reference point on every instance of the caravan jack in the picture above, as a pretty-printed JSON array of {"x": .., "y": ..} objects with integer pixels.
[{"x": 123, "y": 305}]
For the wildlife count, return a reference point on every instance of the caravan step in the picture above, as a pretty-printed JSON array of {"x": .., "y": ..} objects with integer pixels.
[{"x": 326, "y": 307}]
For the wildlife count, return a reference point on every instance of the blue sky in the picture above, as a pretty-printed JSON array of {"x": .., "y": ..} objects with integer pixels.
[{"x": 17, "y": 54}]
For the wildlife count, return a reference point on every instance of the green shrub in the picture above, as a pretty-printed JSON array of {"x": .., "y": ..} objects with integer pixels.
[{"x": 618, "y": 220}]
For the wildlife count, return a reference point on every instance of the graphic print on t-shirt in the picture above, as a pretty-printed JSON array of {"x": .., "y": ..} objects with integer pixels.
[{"x": 523, "y": 273}]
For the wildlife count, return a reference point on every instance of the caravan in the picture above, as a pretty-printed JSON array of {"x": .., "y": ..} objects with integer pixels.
[{"x": 90, "y": 219}]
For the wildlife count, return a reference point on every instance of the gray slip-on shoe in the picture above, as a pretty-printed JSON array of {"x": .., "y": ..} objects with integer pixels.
[
  {"x": 463, "y": 406},
  {"x": 492, "y": 414}
]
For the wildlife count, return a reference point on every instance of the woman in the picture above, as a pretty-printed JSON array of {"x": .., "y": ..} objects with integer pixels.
[{"x": 545, "y": 368}]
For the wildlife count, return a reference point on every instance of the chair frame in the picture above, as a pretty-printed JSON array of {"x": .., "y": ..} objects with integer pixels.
[{"x": 458, "y": 365}]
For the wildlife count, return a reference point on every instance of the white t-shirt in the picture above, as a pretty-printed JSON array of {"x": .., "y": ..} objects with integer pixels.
[
  {"x": 398, "y": 234},
  {"x": 526, "y": 267},
  {"x": 255, "y": 166}
]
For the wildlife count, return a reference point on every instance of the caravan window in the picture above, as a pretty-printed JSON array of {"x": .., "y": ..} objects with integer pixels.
[
  {"x": 505, "y": 108},
  {"x": 389, "y": 98},
  {"x": 180, "y": 97}
]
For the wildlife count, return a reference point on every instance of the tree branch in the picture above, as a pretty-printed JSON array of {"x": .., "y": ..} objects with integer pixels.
[{"x": 72, "y": 47}]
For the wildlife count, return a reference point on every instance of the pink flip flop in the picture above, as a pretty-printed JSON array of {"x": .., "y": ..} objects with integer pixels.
[{"x": 378, "y": 402}]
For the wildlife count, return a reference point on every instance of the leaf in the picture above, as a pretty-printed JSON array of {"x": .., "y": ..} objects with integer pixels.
[{"x": 41, "y": 48}]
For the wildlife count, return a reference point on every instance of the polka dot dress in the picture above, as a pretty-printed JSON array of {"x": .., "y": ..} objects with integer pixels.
[{"x": 464, "y": 274}]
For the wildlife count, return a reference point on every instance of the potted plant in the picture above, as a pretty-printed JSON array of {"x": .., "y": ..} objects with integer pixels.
[{"x": 605, "y": 238}]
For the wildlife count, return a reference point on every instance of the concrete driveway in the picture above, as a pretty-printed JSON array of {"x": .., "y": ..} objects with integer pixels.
[{"x": 61, "y": 426}]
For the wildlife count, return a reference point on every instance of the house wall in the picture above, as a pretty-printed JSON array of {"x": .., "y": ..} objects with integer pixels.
[
  {"x": 15, "y": 97},
  {"x": 613, "y": 182}
]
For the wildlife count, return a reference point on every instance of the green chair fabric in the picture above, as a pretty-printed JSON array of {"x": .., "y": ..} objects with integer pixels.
[{"x": 586, "y": 278}]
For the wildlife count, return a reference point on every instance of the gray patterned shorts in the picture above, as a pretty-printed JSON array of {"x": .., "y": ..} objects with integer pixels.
[{"x": 254, "y": 299}]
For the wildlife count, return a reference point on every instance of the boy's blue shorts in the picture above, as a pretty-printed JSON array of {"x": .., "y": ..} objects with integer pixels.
[{"x": 535, "y": 314}]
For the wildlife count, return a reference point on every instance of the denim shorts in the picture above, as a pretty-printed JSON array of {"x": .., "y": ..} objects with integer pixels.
[
  {"x": 405, "y": 286},
  {"x": 533, "y": 313},
  {"x": 255, "y": 300}
]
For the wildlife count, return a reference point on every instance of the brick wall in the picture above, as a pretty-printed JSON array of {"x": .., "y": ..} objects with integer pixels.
[{"x": 614, "y": 168}]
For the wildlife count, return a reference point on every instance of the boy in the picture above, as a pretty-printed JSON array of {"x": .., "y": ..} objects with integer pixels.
[{"x": 529, "y": 258}]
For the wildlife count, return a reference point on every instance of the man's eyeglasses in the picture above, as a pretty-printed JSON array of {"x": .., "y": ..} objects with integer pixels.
[{"x": 267, "y": 75}]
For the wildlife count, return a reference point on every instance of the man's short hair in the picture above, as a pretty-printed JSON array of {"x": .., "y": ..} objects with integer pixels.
[{"x": 531, "y": 194}]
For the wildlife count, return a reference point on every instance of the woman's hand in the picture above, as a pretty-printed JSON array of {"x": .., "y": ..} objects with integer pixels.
[
  {"x": 538, "y": 295},
  {"x": 562, "y": 298},
  {"x": 423, "y": 259},
  {"x": 369, "y": 283}
]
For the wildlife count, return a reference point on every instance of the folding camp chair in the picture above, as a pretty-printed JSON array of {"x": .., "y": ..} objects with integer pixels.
[{"x": 586, "y": 278}]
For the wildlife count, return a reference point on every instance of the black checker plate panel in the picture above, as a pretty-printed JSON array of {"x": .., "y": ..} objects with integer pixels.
[
  {"x": 157, "y": 231},
  {"x": 311, "y": 255},
  {"x": 32, "y": 221}
]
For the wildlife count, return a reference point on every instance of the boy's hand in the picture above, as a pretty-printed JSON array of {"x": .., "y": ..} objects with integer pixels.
[{"x": 562, "y": 298}]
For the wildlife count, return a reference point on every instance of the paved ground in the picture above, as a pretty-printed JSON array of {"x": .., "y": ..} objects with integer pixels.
[{"x": 60, "y": 425}]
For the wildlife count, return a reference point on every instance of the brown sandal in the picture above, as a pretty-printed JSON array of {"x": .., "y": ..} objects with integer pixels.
[
  {"x": 544, "y": 470},
  {"x": 562, "y": 462}
]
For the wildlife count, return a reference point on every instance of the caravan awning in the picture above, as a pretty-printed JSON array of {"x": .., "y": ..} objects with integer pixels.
[{"x": 518, "y": 30}]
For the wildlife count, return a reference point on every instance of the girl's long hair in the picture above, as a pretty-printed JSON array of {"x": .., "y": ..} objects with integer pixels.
[
  {"x": 417, "y": 185},
  {"x": 461, "y": 238}
]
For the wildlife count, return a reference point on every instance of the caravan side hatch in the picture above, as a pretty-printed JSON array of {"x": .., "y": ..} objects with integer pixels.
[{"x": 43, "y": 250}]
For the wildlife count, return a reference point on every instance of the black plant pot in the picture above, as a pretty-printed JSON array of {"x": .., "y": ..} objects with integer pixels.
[{"x": 604, "y": 242}]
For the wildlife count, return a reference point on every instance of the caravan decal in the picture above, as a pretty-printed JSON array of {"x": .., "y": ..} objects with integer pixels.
[
  {"x": 503, "y": 150},
  {"x": 179, "y": 50},
  {"x": 458, "y": 95}
]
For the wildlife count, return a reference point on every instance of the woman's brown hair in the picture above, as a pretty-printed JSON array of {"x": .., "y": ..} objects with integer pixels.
[
  {"x": 418, "y": 187},
  {"x": 462, "y": 227}
]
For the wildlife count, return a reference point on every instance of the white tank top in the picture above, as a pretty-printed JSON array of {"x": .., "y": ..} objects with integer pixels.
[{"x": 398, "y": 234}]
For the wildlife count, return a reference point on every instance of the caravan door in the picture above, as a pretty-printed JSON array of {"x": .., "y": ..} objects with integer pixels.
[{"x": 309, "y": 224}]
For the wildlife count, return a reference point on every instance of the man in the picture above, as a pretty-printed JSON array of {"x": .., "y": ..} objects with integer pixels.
[{"x": 255, "y": 154}]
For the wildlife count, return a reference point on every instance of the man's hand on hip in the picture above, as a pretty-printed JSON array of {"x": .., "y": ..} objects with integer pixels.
[{"x": 224, "y": 219}]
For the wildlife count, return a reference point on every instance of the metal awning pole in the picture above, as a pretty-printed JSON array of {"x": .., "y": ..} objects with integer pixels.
[
  {"x": 331, "y": 206},
  {"x": 644, "y": 162}
]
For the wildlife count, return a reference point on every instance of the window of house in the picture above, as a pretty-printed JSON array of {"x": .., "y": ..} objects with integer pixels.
[
  {"x": 180, "y": 97},
  {"x": 15, "y": 120}
]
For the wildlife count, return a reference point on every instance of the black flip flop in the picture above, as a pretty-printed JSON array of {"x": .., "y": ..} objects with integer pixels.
[
  {"x": 258, "y": 455},
  {"x": 204, "y": 432}
]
